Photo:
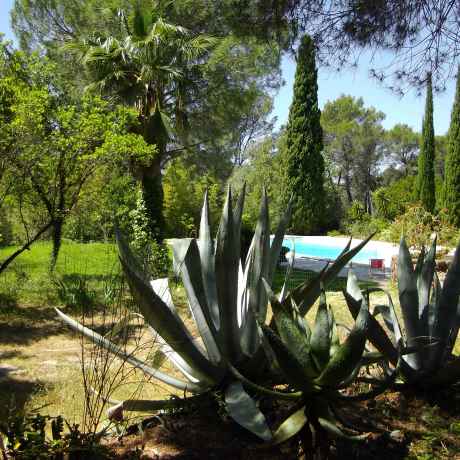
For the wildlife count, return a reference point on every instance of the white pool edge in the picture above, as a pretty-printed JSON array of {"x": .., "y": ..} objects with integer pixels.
[{"x": 384, "y": 249}]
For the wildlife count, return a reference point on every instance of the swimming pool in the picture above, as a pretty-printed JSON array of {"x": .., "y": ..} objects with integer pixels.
[{"x": 327, "y": 247}]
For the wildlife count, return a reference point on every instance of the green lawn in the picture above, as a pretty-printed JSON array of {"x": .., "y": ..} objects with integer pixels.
[{"x": 28, "y": 279}]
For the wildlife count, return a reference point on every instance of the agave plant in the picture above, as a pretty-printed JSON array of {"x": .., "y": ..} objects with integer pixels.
[
  {"x": 317, "y": 366},
  {"x": 227, "y": 300},
  {"x": 431, "y": 316}
]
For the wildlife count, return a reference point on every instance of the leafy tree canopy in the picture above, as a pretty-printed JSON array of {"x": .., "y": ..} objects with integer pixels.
[
  {"x": 52, "y": 147},
  {"x": 353, "y": 146},
  {"x": 421, "y": 36}
]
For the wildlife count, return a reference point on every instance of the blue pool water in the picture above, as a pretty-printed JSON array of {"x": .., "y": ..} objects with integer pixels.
[{"x": 307, "y": 249}]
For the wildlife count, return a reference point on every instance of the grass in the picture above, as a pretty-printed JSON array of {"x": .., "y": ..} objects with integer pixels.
[
  {"x": 28, "y": 280},
  {"x": 40, "y": 357}
]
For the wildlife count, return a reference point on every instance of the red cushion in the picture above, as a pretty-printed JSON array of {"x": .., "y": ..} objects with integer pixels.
[{"x": 376, "y": 263}]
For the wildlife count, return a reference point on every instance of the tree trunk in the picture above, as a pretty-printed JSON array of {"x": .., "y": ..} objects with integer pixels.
[
  {"x": 348, "y": 188},
  {"x": 4, "y": 265},
  {"x": 152, "y": 194},
  {"x": 58, "y": 223}
]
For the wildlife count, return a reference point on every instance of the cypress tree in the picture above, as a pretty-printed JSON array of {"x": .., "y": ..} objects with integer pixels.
[
  {"x": 452, "y": 162},
  {"x": 303, "y": 164},
  {"x": 425, "y": 176}
]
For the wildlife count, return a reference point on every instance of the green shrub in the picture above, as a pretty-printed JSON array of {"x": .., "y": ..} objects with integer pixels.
[
  {"x": 154, "y": 255},
  {"x": 25, "y": 437},
  {"x": 392, "y": 201},
  {"x": 417, "y": 225},
  {"x": 355, "y": 212},
  {"x": 184, "y": 186},
  {"x": 366, "y": 226},
  {"x": 360, "y": 224}
]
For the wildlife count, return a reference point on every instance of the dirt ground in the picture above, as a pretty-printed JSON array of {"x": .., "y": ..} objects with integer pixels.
[{"x": 401, "y": 426}]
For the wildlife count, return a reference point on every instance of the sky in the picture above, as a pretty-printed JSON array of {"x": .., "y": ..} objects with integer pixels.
[{"x": 407, "y": 109}]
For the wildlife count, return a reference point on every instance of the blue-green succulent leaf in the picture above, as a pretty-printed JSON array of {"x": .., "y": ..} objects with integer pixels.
[
  {"x": 289, "y": 363},
  {"x": 196, "y": 294},
  {"x": 258, "y": 266},
  {"x": 348, "y": 354},
  {"x": 243, "y": 409},
  {"x": 287, "y": 277},
  {"x": 160, "y": 316},
  {"x": 446, "y": 317},
  {"x": 320, "y": 340},
  {"x": 292, "y": 334},
  {"x": 227, "y": 261},
  {"x": 277, "y": 243},
  {"x": 291, "y": 426},
  {"x": 376, "y": 334},
  {"x": 424, "y": 282},
  {"x": 408, "y": 299},
  {"x": 206, "y": 247}
]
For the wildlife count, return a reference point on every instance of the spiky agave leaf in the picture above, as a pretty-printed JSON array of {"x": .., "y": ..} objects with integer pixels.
[
  {"x": 243, "y": 409},
  {"x": 447, "y": 319},
  {"x": 119, "y": 352},
  {"x": 376, "y": 334},
  {"x": 277, "y": 243},
  {"x": 321, "y": 335},
  {"x": 288, "y": 362},
  {"x": 293, "y": 334},
  {"x": 408, "y": 299},
  {"x": 206, "y": 248},
  {"x": 291, "y": 426},
  {"x": 258, "y": 266},
  {"x": 227, "y": 259},
  {"x": 192, "y": 279},
  {"x": 335, "y": 340},
  {"x": 425, "y": 276},
  {"x": 307, "y": 293},
  {"x": 349, "y": 354},
  {"x": 287, "y": 276},
  {"x": 162, "y": 318}
]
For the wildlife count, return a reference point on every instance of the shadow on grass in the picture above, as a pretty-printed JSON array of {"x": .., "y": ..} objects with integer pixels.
[
  {"x": 106, "y": 278},
  {"x": 10, "y": 354},
  {"x": 7, "y": 301},
  {"x": 14, "y": 392},
  {"x": 19, "y": 332}
]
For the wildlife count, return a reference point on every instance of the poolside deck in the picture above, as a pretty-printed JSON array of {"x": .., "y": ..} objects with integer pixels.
[{"x": 362, "y": 271}]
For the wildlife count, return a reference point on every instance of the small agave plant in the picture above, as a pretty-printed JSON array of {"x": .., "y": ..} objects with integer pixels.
[
  {"x": 317, "y": 366},
  {"x": 227, "y": 300},
  {"x": 431, "y": 315}
]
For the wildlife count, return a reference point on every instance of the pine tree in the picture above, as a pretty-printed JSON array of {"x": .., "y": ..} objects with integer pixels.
[
  {"x": 452, "y": 162},
  {"x": 303, "y": 164},
  {"x": 425, "y": 177}
]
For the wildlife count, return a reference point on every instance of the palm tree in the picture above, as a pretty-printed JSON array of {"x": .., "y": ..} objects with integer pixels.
[{"x": 150, "y": 66}]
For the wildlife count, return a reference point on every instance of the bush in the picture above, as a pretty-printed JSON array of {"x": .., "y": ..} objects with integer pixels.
[
  {"x": 392, "y": 201},
  {"x": 184, "y": 186},
  {"x": 360, "y": 224},
  {"x": 417, "y": 225},
  {"x": 25, "y": 437},
  {"x": 366, "y": 226},
  {"x": 355, "y": 213}
]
